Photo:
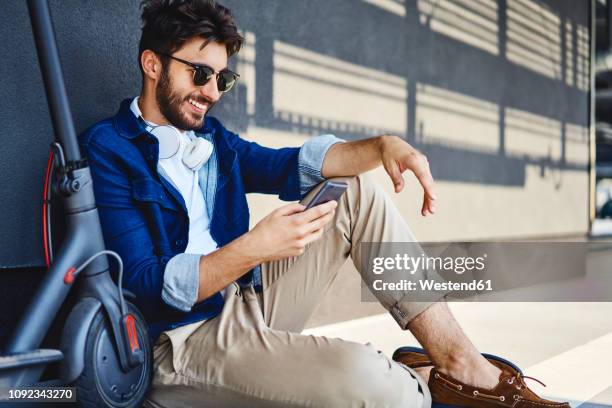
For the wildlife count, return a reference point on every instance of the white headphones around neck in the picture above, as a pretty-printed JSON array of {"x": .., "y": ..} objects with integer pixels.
[{"x": 196, "y": 153}]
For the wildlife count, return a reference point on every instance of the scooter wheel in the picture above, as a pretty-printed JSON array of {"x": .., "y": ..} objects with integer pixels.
[{"x": 103, "y": 383}]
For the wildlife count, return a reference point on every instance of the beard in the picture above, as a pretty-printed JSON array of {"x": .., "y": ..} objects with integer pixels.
[{"x": 170, "y": 103}]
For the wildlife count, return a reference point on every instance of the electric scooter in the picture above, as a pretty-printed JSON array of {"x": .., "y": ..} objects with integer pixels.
[{"x": 105, "y": 352}]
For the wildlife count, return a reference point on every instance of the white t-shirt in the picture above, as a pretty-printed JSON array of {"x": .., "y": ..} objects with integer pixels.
[{"x": 186, "y": 181}]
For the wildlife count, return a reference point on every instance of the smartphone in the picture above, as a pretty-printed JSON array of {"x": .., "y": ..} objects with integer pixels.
[{"x": 331, "y": 190}]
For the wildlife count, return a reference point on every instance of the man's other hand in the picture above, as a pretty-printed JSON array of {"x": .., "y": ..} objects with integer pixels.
[{"x": 398, "y": 156}]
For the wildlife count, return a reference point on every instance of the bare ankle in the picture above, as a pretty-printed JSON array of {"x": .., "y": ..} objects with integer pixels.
[{"x": 472, "y": 370}]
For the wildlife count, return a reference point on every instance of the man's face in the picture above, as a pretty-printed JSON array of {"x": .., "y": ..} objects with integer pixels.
[{"x": 176, "y": 94}]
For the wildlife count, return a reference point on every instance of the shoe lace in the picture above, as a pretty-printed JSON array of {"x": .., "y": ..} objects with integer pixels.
[
  {"x": 521, "y": 380},
  {"x": 521, "y": 383},
  {"x": 526, "y": 377}
]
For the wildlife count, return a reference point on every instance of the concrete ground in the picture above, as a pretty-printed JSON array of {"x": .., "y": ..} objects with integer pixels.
[{"x": 567, "y": 345}]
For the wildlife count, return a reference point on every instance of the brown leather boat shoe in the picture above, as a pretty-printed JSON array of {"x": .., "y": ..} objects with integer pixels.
[
  {"x": 511, "y": 391},
  {"x": 446, "y": 392}
]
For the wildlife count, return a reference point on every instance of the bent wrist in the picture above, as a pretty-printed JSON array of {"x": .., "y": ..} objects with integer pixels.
[{"x": 384, "y": 142}]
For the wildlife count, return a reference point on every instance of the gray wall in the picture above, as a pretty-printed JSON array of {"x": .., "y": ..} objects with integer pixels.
[{"x": 98, "y": 46}]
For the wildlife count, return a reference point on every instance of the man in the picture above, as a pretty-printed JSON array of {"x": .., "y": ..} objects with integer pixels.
[{"x": 225, "y": 304}]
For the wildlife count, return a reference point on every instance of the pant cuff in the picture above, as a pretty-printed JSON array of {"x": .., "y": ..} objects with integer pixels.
[{"x": 405, "y": 310}]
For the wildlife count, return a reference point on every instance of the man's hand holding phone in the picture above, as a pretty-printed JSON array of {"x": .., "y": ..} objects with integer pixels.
[{"x": 286, "y": 231}]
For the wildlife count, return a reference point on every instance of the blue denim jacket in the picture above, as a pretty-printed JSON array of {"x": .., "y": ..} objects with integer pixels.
[{"x": 144, "y": 218}]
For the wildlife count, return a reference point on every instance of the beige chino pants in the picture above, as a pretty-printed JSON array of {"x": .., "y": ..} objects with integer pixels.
[{"x": 253, "y": 354}]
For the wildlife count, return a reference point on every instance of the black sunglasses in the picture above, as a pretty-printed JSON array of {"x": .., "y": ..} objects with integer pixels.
[{"x": 203, "y": 73}]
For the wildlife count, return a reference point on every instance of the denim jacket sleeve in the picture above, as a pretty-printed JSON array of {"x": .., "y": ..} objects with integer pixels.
[
  {"x": 289, "y": 172},
  {"x": 310, "y": 160},
  {"x": 124, "y": 226}
]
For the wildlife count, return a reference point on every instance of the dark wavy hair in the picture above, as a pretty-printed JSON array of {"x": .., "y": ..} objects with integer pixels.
[{"x": 168, "y": 24}]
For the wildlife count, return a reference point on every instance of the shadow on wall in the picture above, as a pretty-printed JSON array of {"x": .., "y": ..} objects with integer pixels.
[
  {"x": 489, "y": 87},
  {"x": 357, "y": 68},
  {"x": 485, "y": 88}
]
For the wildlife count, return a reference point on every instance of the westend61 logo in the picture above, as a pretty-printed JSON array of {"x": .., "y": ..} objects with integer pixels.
[
  {"x": 424, "y": 268},
  {"x": 412, "y": 264},
  {"x": 532, "y": 271}
]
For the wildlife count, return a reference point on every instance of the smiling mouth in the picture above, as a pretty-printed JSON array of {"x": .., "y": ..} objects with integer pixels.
[{"x": 199, "y": 106}]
